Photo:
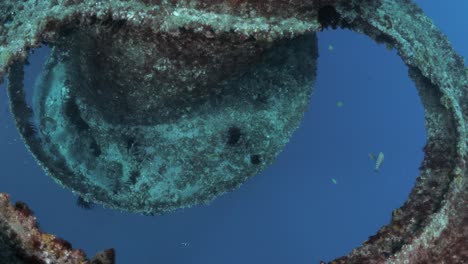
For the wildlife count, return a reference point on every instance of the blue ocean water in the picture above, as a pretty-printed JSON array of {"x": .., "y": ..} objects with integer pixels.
[{"x": 318, "y": 201}]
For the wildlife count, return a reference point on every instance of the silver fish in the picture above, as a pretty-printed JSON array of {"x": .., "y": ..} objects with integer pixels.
[{"x": 379, "y": 161}]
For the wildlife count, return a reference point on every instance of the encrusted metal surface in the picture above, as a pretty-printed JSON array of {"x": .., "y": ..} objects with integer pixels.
[
  {"x": 21, "y": 240},
  {"x": 432, "y": 225}
]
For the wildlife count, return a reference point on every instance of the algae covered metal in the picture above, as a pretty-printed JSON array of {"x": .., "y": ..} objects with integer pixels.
[{"x": 158, "y": 105}]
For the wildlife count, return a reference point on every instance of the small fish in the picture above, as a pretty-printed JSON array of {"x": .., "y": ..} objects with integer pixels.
[
  {"x": 334, "y": 181},
  {"x": 379, "y": 161},
  {"x": 330, "y": 47},
  {"x": 339, "y": 104},
  {"x": 371, "y": 156},
  {"x": 213, "y": 156},
  {"x": 48, "y": 119},
  {"x": 185, "y": 244}
]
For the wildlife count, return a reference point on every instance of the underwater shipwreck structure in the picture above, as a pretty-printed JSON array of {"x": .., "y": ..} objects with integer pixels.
[{"x": 153, "y": 105}]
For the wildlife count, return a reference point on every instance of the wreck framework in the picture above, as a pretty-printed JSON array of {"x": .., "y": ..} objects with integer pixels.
[{"x": 432, "y": 225}]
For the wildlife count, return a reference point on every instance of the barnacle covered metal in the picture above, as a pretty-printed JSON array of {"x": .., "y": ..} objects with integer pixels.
[{"x": 169, "y": 103}]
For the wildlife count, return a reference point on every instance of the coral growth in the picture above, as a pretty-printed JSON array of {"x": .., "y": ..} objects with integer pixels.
[{"x": 21, "y": 241}]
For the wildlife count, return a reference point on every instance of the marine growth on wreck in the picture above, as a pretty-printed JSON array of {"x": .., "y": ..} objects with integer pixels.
[
  {"x": 149, "y": 122},
  {"x": 150, "y": 106}
]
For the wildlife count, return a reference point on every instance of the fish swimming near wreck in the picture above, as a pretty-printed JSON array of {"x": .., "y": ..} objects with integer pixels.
[{"x": 378, "y": 160}]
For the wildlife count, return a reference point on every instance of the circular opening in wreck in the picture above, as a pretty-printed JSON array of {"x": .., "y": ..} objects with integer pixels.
[
  {"x": 328, "y": 157},
  {"x": 340, "y": 169},
  {"x": 233, "y": 137}
]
